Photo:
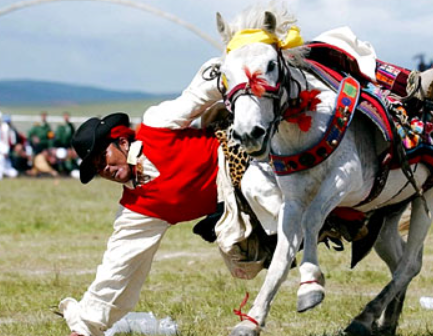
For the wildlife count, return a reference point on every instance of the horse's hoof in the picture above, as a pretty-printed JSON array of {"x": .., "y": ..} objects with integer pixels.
[
  {"x": 356, "y": 328},
  {"x": 244, "y": 331},
  {"x": 245, "y": 328},
  {"x": 309, "y": 300},
  {"x": 385, "y": 330}
]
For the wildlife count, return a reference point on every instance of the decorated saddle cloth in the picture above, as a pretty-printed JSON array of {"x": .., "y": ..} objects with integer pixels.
[{"x": 396, "y": 121}]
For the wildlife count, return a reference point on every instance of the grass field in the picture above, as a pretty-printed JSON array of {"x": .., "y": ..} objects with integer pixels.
[{"x": 53, "y": 234}]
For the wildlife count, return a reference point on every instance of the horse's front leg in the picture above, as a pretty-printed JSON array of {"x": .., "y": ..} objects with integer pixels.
[
  {"x": 311, "y": 291},
  {"x": 289, "y": 240}
]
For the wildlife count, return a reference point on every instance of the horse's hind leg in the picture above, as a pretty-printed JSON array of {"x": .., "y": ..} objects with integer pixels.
[
  {"x": 389, "y": 247},
  {"x": 407, "y": 268}
]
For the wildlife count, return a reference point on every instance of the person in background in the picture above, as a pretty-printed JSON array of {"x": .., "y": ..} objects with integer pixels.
[
  {"x": 64, "y": 133},
  {"x": 66, "y": 163},
  {"x": 40, "y": 135},
  {"x": 44, "y": 163},
  {"x": 6, "y": 137},
  {"x": 20, "y": 160}
]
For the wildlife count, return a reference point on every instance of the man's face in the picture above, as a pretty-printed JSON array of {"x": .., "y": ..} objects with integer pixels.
[{"x": 111, "y": 164}]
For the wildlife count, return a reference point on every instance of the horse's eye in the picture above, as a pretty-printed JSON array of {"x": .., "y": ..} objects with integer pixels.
[{"x": 271, "y": 66}]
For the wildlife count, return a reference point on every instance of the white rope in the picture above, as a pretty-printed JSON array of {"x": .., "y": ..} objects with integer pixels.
[{"x": 129, "y": 3}]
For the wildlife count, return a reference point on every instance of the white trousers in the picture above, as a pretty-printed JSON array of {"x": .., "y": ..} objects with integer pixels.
[{"x": 125, "y": 265}]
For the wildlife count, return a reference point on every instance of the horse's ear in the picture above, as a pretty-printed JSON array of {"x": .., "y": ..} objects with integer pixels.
[
  {"x": 270, "y": 22},
  {"x": 223, "y": 28}
]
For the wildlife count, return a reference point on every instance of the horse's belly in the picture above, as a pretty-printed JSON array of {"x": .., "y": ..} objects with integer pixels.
[{"x": 398, "y": 188}]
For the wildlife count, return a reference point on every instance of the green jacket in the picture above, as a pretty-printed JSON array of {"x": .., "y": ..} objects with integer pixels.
[
  {"x": 64, "y": 135},
  {"x": 43, "y": 133}
]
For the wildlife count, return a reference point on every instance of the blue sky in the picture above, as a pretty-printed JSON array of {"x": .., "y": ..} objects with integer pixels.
[{"x": 112, "y": 46}]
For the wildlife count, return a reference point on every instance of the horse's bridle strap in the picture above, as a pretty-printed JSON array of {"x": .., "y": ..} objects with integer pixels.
[
  {"x": 244, "y": 89},
  {"x": 347, "y": 100}
]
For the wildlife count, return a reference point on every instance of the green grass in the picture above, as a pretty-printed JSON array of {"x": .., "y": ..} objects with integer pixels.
[{"x": 53, "y": 234}]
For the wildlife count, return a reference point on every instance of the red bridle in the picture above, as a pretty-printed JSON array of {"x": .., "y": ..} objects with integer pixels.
[{"x": 255, "y": 86}]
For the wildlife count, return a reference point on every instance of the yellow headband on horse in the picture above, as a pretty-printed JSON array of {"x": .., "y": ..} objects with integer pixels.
[{"x": 247, "y": 36}]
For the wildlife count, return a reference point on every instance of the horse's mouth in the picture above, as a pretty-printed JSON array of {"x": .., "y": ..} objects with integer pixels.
[{"x": 263, "y": 151}]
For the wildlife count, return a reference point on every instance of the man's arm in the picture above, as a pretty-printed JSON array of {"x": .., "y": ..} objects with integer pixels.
[{"x": 191, "y": 104}]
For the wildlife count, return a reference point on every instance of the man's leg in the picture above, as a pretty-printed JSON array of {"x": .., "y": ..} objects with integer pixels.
[{"x": 125, "y": 265}]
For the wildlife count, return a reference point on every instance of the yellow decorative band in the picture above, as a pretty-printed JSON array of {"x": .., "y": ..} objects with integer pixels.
[{"x": 248, "y": 36}]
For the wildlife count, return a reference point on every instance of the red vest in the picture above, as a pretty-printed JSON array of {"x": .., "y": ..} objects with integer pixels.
[{"x": 186, "y": 187}]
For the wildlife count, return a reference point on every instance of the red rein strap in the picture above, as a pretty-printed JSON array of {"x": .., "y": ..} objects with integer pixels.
[{"x": 243, "y": 315}]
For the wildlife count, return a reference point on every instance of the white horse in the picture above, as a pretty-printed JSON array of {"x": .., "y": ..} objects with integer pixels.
[{"x": 344, "y": 179}]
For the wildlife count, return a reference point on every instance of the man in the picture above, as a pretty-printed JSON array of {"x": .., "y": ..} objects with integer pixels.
[
  {"x": 64, "y": 133},
  {"x": 165, "y": 182},
  {"x": 40, "y": 135},
  {"x": 7, "y": 138}
]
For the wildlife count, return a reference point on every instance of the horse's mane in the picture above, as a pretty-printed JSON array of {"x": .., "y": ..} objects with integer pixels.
[{"x": 252, "y": 18}]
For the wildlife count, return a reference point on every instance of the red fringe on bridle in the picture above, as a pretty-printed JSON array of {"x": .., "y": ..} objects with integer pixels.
[{"x": 256, "y": 84}]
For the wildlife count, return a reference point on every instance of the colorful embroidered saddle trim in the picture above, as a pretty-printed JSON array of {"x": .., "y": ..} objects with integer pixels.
[
  {"x": 370, "y": 105},
  {"x": 347, "y": 100}
]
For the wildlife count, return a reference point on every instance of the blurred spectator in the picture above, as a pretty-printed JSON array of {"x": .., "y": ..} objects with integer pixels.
[
  {"x": 15, "y": 136},
  {"x": 16, "y": 152},
  {"x": 40, "y": 135},
  {"x": 44, "y": 163},
  {"x": 64, "y": 133},
  {"x": 20, "y": 160},
  {"x": 6, "y": 168},
  {"x": 66, "y": 163}
]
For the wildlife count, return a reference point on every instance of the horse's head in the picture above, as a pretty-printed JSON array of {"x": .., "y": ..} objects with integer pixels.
[{"x": 253, "y": 75}]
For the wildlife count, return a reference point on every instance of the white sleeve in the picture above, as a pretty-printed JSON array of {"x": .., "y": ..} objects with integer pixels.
[{"x": 191, "y": 104}]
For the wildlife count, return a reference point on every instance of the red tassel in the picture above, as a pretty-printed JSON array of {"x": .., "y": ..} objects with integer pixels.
[
  {"x": 307, "y": 102},
  {"x": 243, "y": 315},
  {"x": 255, "y": 83}
]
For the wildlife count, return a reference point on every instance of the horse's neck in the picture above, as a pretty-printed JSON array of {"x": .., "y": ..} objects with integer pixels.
[{"x": 289, "y": 139}]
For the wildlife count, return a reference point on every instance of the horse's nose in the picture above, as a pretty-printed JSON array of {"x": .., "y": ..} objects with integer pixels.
[
  {"x": 257, "y": 132},
  {"x": 236, "y": 136}
]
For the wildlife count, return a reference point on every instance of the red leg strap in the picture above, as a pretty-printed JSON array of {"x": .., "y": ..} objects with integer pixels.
[
  {"x": 243, "y": 315},
  {"x": 309, "y": 282}
]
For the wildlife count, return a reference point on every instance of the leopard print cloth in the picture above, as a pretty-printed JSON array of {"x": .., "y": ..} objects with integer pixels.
[{"x": 236, "y": 157}]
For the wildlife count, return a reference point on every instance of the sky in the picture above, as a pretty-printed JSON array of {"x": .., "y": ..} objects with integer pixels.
[{"x": 117, "y": 47}]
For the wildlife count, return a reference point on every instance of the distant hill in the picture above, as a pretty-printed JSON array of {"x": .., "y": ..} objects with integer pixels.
[{"x": 29, "y": 92}]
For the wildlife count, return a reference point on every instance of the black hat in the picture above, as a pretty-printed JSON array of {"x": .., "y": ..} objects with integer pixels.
[{"x": 91, "y": 138}]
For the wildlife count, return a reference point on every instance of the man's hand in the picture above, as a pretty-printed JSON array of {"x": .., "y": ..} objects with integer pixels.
[{"x": 75, "y": 334}]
